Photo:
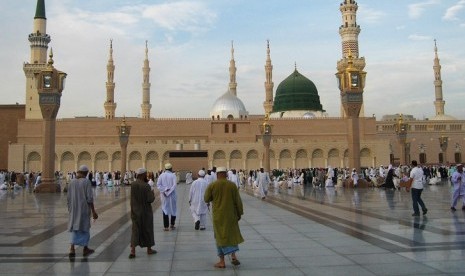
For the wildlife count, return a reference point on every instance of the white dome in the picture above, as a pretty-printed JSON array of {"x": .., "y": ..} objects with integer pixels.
[
  {"x": 443, "y": 117},
  {"x": 309, "y": 115},
  {"x": 228, "y": 106}
]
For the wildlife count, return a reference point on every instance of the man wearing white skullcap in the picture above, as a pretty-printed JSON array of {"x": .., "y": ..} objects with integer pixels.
[
  {"x": 80, "y": 205},
  {"x": 166, "y": 184},
  {"x": 197, "y": 205}
]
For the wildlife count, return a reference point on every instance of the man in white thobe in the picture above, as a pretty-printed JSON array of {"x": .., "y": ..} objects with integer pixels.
[
  {"x": 213, "y": 174},
  {"x": 98, "y": 179},
  {"x": 189, "y": 178},
  {"x": 241, "y": 177},
  {"x": 166, "y": 184},
  {"x": 354, "y": 177},
  {"x": 458, "y": 180},
  {"x": 329, "y": 177},
  {"x": 263, "y": 181},
  {"x": 197, "y": 204},
  {"x": 234, "y": 178},
  {"x": 381, "y": 171},
  {"x": 209, "y": 177}
]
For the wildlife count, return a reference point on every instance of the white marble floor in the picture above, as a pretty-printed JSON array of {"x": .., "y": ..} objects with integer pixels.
[{"x": 293, "y": 232}]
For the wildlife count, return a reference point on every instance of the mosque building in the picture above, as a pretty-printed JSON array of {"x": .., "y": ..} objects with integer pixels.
[{"x": 303, "y": 134}]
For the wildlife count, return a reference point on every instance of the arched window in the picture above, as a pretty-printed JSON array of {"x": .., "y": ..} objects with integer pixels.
[
  {"x": 422, "y": 158},
  {"x": 458, "y": 157}
]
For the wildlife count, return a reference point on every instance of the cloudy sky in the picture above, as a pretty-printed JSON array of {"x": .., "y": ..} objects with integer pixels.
[{"x": 189, "y": 51}]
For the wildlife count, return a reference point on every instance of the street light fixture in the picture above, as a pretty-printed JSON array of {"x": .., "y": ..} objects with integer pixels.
[
  {"x": 51, "y": 83},
  {"x": 401, "y": 130},
  {"x": 266, "y": 131},
  {"x": 443, "y": 143},
  {"x": 123, "y": 133},
  {"x": 351, "y": 82}
]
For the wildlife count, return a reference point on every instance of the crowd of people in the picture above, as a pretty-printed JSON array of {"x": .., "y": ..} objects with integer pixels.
[{"x": 216, "y": 191}]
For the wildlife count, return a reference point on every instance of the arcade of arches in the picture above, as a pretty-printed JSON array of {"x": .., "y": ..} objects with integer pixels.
[{"x": 285, "y": 158}]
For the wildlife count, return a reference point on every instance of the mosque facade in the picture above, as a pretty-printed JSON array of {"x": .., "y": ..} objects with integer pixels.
[{"x": 303, "y": 135}]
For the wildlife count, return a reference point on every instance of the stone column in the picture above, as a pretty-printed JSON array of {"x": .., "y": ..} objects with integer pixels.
[
  {"x": 123, "y": 132},
  {"x": 50, "y": 85}
]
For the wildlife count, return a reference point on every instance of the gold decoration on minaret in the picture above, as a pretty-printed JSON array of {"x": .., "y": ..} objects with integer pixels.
[
  {"x": 146, "y": 106},
  {"x": 351, "y": 81},
  {"x": 232, "y": 72},
  {"x": 110, "y": 105},
  {"x": 268, "y": 103}
]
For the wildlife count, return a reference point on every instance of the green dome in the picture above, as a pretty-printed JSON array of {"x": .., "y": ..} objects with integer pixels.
[{"x": 296, "y": 92}]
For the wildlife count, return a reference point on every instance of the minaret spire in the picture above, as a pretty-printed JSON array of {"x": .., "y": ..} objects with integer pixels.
[
  {"x": 349, "y": 31},
  {"x": 40, "y": 10},
  {"x": 110, "y": 105},
  {"x": 439, "y": 102},
  {"x": 268, "y": 103},
  {"x": 39, "y": 40},
  {"x": 232, "y": 72},
  {"x": 146, "y": 106}
]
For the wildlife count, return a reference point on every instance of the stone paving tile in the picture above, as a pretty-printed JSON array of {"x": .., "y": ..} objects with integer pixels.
[
  {"x": 342, "y": 270},
  {"x": 401, "y": 269},
  {"x": 449, "y": 266}
]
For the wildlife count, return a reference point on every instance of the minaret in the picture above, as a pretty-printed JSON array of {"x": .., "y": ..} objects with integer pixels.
[
  {"x": 39, "y": 41},
  {"x": 110, "y": 105},
  {"x": 439, "y": 103},
  {"x": 349, "y": 31},
  {"x": 146, "y": 106},
  {"x": 268, "y": 103},
  {"x": 232, "y": 72}
]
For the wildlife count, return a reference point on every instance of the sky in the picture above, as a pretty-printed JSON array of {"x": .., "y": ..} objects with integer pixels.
[{"x": 189, "y": 45}]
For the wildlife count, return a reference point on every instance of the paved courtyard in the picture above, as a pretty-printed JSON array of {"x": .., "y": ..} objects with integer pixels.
[{"x": 292, "y": 232}]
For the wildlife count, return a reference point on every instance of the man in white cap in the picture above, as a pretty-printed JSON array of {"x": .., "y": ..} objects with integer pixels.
[
  {"x": 80, "y": 206},
  {"x": 197, "y": 205},
  {"x": 166, "y": 184},
  {"x": 227, "y": 211},
  {"x": 458, "y": 180},
  {"x": 141, "y": 214}
]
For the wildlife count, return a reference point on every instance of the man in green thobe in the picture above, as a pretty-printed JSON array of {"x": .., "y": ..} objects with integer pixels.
[
  {"x": 227, "y": 211},
  {"x": 141, "y": 214}
]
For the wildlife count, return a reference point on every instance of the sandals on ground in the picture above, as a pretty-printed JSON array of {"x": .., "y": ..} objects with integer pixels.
[
  {"x": 151, "y": 252},
  {"x": 235, "y": 262},
  {"x": 219, "y": 265}
]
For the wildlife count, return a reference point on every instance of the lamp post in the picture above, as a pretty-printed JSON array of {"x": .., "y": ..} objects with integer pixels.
[
  {"x": 123, "y": 132},
  {"x": 265, "y": 130},
  {"x": 443, "y": 143},
  {"x": 401, "y": 131},
  {"x": 50, "y": 84},
  {"x": 351, "y": 82}
]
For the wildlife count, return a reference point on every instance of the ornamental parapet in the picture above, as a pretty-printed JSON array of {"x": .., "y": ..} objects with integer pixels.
[
  {"x": 423, "y": 126},
  {"x": 39, "y": 40},
  {"x": 33, "y": 68}
]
